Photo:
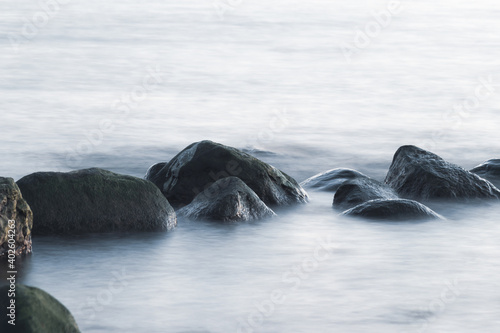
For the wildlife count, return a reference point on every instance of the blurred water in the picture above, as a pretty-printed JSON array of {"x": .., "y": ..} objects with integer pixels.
[{"x": 270, "y": 78}]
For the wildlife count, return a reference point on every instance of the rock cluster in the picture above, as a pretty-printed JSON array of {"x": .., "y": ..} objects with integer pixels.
[
  {"x": 414, "y": 175},
  {"x": 203, "y": 163},
  {"x": 212, "y": 182}
]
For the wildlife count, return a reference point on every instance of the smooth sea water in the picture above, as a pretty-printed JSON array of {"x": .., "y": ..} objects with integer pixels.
[{"x": 123, "y": 85}]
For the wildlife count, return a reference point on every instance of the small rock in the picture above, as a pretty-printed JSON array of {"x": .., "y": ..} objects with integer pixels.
[
  {"x": 489, "y": 170},
  {"x": 331, "y": 180},
  {"x": 228, "y": 200},
  {"x": 392, "y": 210},
  {"x": 356, "y": 191}
]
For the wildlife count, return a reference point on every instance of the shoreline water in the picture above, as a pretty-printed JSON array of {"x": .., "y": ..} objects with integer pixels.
[{"x": 270, "y": 77}]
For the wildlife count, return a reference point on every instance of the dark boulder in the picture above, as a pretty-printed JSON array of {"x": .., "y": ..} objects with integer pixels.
[
  {"x": 392, "y": 210},
  {"x": 201, "y": 164},
  {"x": 35, "y": 312},
  {"x": 94, "y": 200},
  {"x": 421, "y": 175},
  {"x": 227, "y": 200},
  {"x": 14, "y": 208},
  {"x": 332, "y": 179},
  {"x": 356, "y": 191},
  {"x": 489, "y": 170}
]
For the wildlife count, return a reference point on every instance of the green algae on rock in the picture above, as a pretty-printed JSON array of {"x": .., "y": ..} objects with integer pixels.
[
  {"x": 94, "y": 200},
  {"x": 34, "y": 311}
]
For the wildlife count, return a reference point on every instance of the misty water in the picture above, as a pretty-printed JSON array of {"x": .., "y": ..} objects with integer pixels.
[{"x": 124, "y": 85}]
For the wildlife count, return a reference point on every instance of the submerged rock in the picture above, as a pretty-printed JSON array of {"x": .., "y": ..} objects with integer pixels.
[
  {"x": 202, "y": 163},
  {"x": 228, "y": 200},
  {"x": 14, "y": 208},
  {"x": 94, "y": 200},
  {"x": 393, "y": 210},
  {"x": 357, "y": 191},
  {"x": 332, "y": 179},
  {"x": 489, "y": 170},
  {"x": 35, "y": 312},
  {"x": 418, "y": 174}
]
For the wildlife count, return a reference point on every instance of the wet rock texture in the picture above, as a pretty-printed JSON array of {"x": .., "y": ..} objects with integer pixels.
[
  {"x": 331, "y": 180},
  {"x": 203, "y": 163},
  {"x": 489, "y": 170},
  {"x": 357, "y": 191},
  {"x": 36, "y": 312},
  {"x": 227, "y": 200},
  {"x": 94, "y": 200},
  {"x": 14, "y": 207},
  {"x": 393, "y": 210},
  {"x": 421, "y": 175}
]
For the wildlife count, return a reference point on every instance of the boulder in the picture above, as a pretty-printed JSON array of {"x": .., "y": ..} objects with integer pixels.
[
  {"x": 392, "y": 210},
  {"x": 35, "y": 312},
  {"x": 14, "y": 208},
  {"x": 331, "y": 180},
  {"x": 421, "y": 175},
  {"x": 201, "y": 164},
  {"x": 489, "y": 170},
  {"x": 227, "y": 200},
  {"x": 94, "y": 200},
  {"x": 356, "y": 191}
]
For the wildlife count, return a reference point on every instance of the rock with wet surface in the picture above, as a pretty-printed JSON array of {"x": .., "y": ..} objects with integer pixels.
[
  {"x": 227, "y": 200},
  {"x": 13, "y": 207},
  {"x": 356, "y": 191},
  {"x": 331, "y": 180},
  {"x": 393, "y": 210},
  {"x": 94, "y": 200},
  {"x": 421, "y": 175},
  {"x": 35, "y": 312},
  {"x": 489, "y": 170},
  {"x": 202, "y": 163}
]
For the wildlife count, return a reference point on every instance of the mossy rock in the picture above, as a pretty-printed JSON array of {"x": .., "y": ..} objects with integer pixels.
[
  {"x": 94, "y": 200},
  {"x": 35, "y": 312},
  {"x": 14, "y": 207}
]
